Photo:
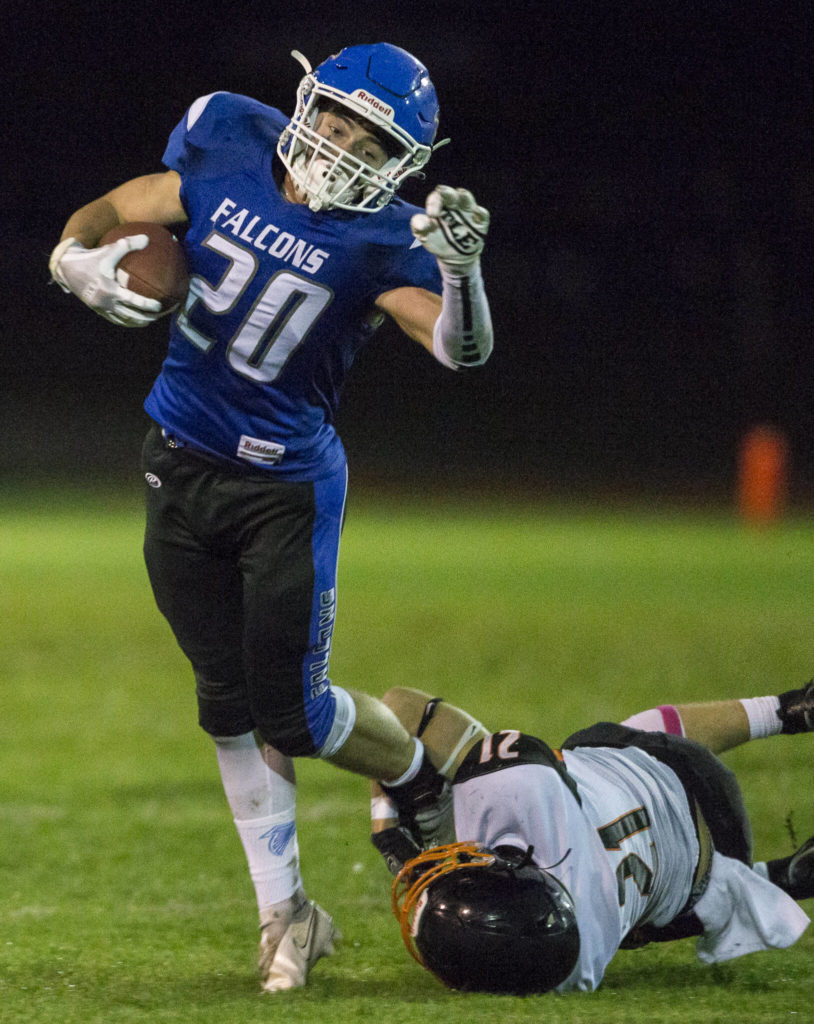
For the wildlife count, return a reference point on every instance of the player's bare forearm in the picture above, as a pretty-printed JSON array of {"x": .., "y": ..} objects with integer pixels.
[
  {"x": 88, "y": 224},
  {"x": 719, "y": 725},
  {"x": 151, "y": 197}
]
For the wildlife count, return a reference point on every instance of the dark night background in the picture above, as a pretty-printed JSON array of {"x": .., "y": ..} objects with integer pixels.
[{"x": 648, "y": 167}]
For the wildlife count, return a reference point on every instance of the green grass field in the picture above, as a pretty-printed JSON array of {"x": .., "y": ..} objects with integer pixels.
[{"x": 123, "y": 891}]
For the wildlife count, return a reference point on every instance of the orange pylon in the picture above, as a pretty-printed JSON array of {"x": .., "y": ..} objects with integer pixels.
[{"x": 762, "y": 475}]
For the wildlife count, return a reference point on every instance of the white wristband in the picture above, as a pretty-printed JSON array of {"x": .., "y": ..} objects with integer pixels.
[
  {"x": 382, "y": 809},
  {"x": 762, "y": 715}
]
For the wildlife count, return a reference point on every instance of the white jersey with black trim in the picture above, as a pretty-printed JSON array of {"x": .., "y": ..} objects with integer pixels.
[{"x": 612, "y": 825}]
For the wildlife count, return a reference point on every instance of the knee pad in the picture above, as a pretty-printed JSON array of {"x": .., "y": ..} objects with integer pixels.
[
  {"x": 223, "y": 708},
  {"x": 285, "y": 730}
]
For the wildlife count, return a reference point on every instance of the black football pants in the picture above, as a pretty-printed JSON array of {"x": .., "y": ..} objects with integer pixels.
[{"x": 243, "y": 566}]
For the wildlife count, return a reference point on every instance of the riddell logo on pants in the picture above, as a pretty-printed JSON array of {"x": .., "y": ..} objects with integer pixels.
[{"x": 264, "y": 453}]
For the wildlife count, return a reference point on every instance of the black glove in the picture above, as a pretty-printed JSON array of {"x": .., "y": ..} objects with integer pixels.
[
  {"x": 425, "y": 806},
  {"x": 397, "y": 846}
]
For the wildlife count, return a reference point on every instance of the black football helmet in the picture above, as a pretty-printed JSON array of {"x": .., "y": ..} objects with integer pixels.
[{"x": 486, "y": 920}]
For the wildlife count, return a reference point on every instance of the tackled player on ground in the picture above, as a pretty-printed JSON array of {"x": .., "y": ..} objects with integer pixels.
[{"x": 550, "y": 860}]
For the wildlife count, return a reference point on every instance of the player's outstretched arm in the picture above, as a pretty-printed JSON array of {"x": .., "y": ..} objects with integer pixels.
[
  {"x": 453, "y": 228},
  {"x": 80, "y": 266},
  {"x": 457, "y": 328},
  {"x": 722, "y": 725}
]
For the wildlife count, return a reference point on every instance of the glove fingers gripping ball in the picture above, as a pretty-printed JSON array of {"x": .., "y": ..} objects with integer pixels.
[{"x": 158, "y": 271}]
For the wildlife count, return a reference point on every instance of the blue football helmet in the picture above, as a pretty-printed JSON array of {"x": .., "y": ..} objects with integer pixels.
[{"x": 386, "y": 87}]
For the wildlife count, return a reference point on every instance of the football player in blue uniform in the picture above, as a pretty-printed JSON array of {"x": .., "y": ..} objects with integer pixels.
[
  {"x": 297, "y": 248},
  {"x": 553, "y": 860}
]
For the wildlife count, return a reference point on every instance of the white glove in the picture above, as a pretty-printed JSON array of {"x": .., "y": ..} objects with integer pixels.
[
  {"x": 92, "y": 276},
  {"x": 453, "y": 228}
]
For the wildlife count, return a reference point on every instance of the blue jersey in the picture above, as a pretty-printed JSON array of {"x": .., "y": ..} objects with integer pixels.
[{"x": 281, "y": 298}]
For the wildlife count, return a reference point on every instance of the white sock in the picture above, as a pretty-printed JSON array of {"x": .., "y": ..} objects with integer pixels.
[
  {"x": 762, "y": 715},
  {"x": 263, "y": 804},
  {"x": 273, "y": 855}
]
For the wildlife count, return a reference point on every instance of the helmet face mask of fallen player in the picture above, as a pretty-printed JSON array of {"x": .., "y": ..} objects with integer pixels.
[
  {"x": 381, "y": 86},
  {"x": 487, "y": 920}
]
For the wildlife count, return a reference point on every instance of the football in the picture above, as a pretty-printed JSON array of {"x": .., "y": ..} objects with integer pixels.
[{"x": 159, "y": 271}]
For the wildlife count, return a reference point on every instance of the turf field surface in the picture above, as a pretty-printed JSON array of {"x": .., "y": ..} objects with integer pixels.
[{"x": 123, "y": 891}]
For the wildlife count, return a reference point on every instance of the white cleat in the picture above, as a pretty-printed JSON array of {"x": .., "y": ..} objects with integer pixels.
[{"x": 285, "y": 963}]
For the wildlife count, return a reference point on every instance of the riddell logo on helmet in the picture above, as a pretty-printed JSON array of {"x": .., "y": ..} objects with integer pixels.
[{"x": 372, "y": 101}]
